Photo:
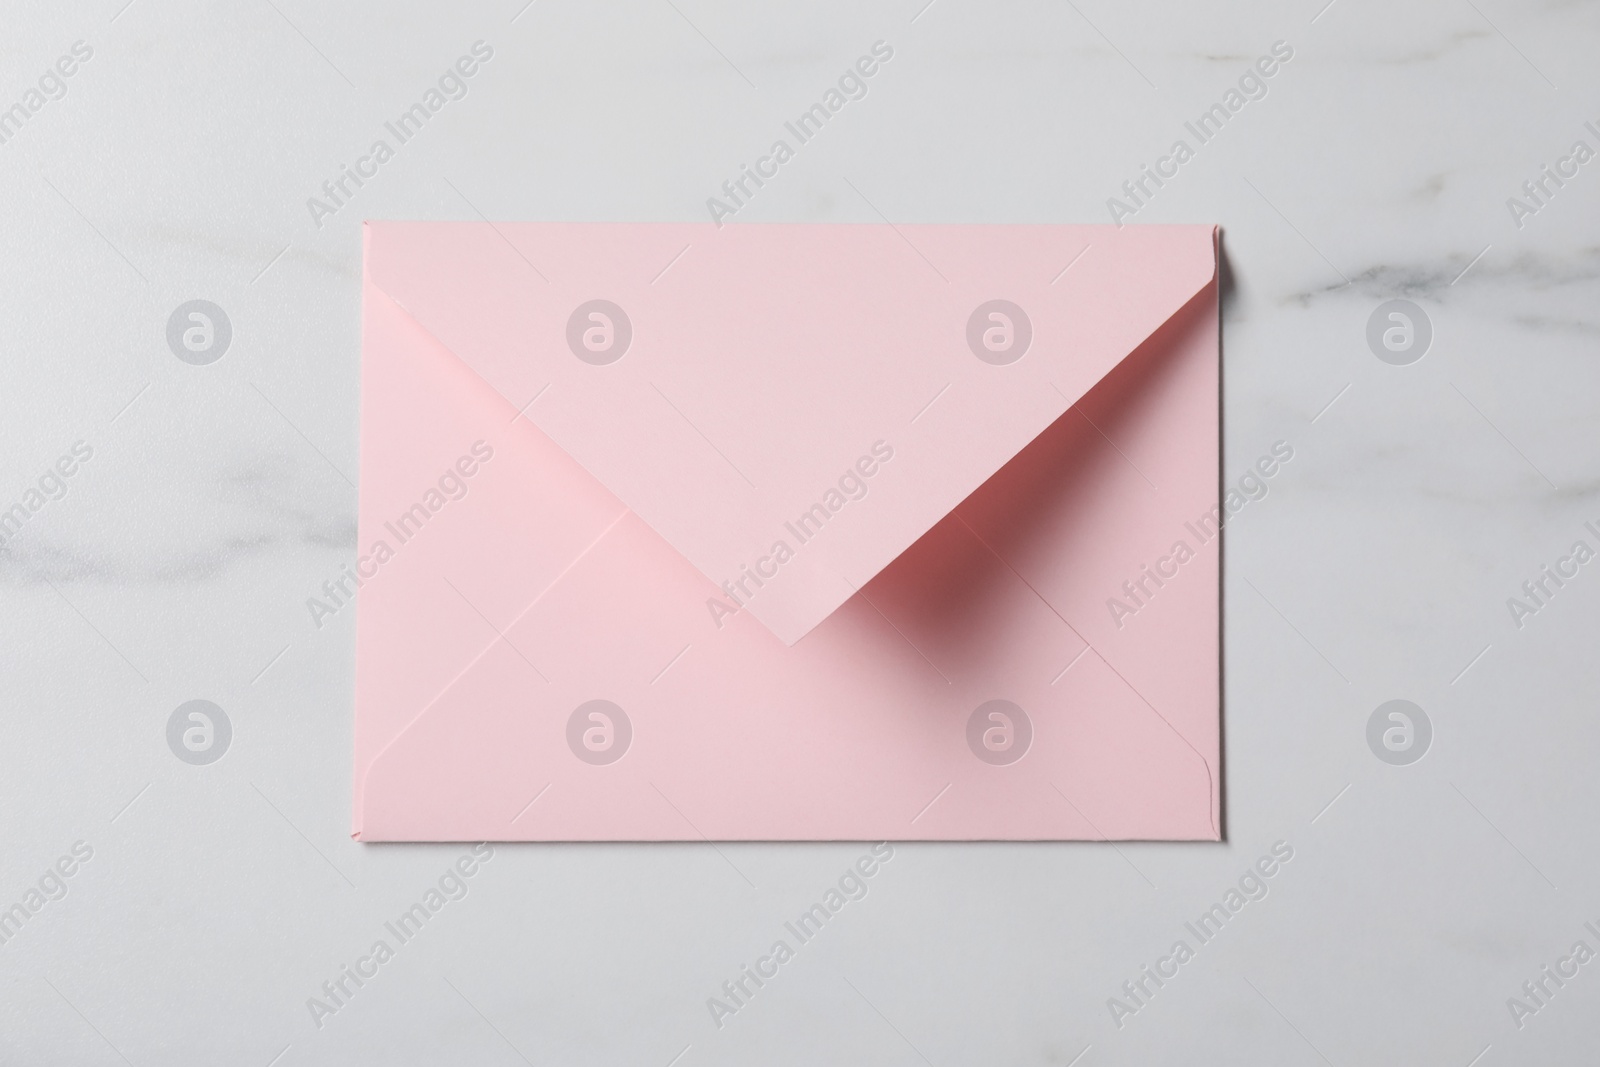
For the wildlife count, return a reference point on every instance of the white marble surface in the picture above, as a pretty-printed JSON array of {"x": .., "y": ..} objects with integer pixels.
[{"x": 219, "y": 898}]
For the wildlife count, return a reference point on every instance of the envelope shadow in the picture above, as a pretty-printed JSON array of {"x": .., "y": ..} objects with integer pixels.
[
  {"x": 1036, "y": 497},
  {"x": 948, "y": 582},
  {"x": 1066, "y": 461}
]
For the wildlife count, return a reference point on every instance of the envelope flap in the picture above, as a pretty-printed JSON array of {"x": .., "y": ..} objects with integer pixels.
[{"x": 790, "y": 406}]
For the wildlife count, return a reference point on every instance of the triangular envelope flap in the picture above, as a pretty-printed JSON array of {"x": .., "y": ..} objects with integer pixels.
[{"x": 790, "y": 406}]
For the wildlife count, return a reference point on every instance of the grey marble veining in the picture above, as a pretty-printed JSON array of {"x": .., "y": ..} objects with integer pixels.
[{"x": 218, "y": 899}]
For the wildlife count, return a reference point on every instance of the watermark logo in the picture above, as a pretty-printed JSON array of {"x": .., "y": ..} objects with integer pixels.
[
  {"x": 599, "y": 732},
  {"x": 337, "y": 992},
  {"x": 1538, "y": 991},
  {"x": 51, "y": 485},
  {"x": 48, "y": 888},
  {"x": 1399, "y": 732},
  {"x": 1539, "y": 190},
  {"x": 199, "y": 732},
  {"x": 51, "y": 86},
  {"x": 452, "y": 85},
  {"x": 599, "y": 332},
  {"x": 999, "y": 332},
  {"x": 1139, "y": 591},
  {"x": 850, "y": 486},
  {"x": 451, "y": 485},
  {"x": 1251, "y": 887},
  {"x": 999, "y": 732},
  {"x": 198, "y": 332},
  {"x": 737, "y": 992},
  {"x": 1251, "y": 86},
  {"x": 1542, "y": 587},
  {"x": 1399, "y": 332},
  {"x": 852, "y": 85}
]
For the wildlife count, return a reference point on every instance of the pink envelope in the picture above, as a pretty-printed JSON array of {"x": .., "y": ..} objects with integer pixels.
[{"x": 788, "y": 532}]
